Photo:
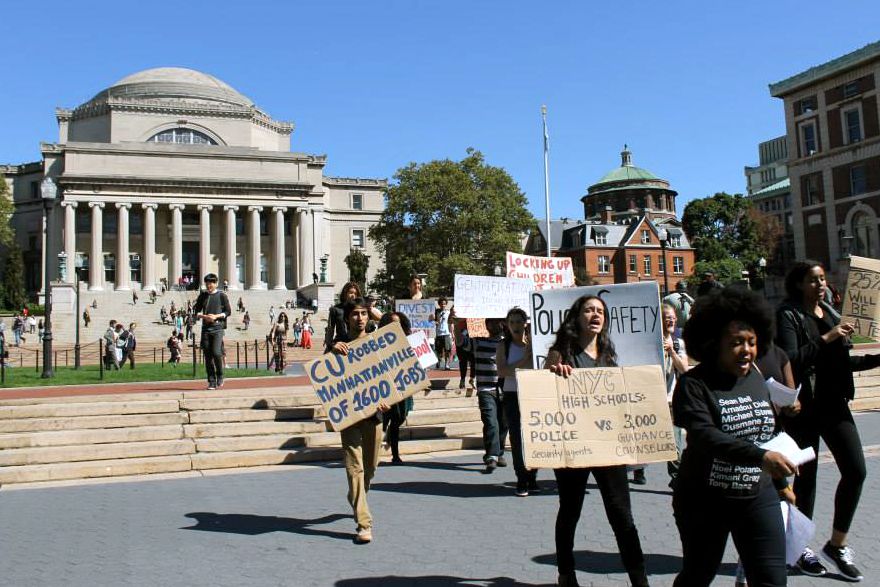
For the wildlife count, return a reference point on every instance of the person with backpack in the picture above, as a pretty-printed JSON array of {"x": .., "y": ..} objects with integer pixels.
[
  {"x": 682, "y": 303},
  {"x": 516, "y": 353},
  {"x": 489, "y": 396}
]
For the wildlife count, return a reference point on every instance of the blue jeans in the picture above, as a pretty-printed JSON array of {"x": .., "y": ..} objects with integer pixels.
[{"x": 494, "y": 424}]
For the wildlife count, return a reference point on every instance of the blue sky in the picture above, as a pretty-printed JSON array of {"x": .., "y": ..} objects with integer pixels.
[{"x": 375, "y": 85}]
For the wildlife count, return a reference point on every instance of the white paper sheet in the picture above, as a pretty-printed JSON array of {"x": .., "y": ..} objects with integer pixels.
[
  {"x": 419, "y": 342},
  {"x": 799, "y": 532},
  {"x": 781, "y": 394},
  {"x": 785, "y": 444}
]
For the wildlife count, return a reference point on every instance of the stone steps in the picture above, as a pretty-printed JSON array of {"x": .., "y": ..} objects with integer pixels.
[
  {"x": 90, "y": 437},
  {"x": 95, "y": 452}
]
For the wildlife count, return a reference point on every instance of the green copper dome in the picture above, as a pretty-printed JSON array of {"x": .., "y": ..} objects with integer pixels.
[{"x": 628, "y": 176}]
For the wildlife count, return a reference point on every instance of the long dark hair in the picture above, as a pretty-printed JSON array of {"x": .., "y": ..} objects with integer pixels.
[
  {"x": 283, "y": 316},
  {"x": 568, "y": 334},
  {"x": 795, "y": 277},
  {"x": 388, "y": 317},
  {"x": 346, "y": 287}
]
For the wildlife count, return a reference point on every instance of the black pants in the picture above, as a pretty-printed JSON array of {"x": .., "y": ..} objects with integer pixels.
[
  {"x": 391, "y": 422},
  {"x": 833, "y": 422},
  {"x": 705, "y": 522},
  {"x": 614, "y": 487},
  {"x": 212, "y": 346},
  {"x": 514, "y": 431},
  {"x": 465, "y": 359}
]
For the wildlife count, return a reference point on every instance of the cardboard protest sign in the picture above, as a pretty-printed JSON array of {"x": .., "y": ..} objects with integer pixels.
[
  {"x": 861, "y": 303},
  {"x": 381, "y": 366},
  {"x": 419, "y": 342},
  {"x": 633, "y": 317},
  {"x": 595, "y": 417},
  {"x": 482, "y": 296},
  {"x": 476, "y": 328},
  {"x": 545, "y": 272},
  {"x": 420, "y": 314}
]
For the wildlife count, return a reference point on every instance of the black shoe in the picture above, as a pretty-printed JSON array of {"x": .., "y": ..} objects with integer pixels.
[
  {"x": 491, "y": 465},
  {"x": 533, "y": 486},
  {"x": 522, "y": 490},
  {"x": 568, "y": 580},
  {"x": 809, "y": 564},
  {"x": 842, "y": 558},
  {"x": 396, "y": 459},
  {"x": 502, "y": 462},
  {"x": 639, "y": 477}
]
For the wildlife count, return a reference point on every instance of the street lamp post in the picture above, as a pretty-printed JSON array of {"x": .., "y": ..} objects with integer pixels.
[
  {"x": 78, "y": 264},
  {"x": 663, "y": 235},
  {"x": 49, "y": 191},
  {"x": 762, "y": 269},
  {"x": 324, "y": 260}
]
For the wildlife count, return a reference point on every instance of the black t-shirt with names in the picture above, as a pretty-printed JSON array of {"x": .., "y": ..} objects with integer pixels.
[{"x": 726, "y": 419}]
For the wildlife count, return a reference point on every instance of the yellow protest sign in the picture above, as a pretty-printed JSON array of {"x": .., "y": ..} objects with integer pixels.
[
  {"x": 596, "y": 417},
  {"x": 860, "y": 303},
  {"x": 380, "y": 367}
]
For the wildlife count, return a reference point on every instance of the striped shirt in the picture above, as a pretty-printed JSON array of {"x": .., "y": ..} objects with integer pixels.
[{"x": 484, "y": 361}]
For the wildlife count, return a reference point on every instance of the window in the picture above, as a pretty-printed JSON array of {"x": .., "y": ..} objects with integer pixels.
[
  {"x": 861, "y": 229},
  {"x": 357, "y": 238},
  {"x": 633, "y": 264},
  {"x": 136, "y": 224},
  {"x": 182, "y": 136},
  {"x": 857, "y": 181},
  {"x": 678, "y": 265},
  {"x": 35, "y": 190},
  {"x": 853, "y": 125},
  {"x": 789, "y": 219},
  {"x": 604, "y": 264},
  {"x": 646, "y": 237},
  {"x": 786, "y": 201},
  {"x": 601, "y": 238},
  {"x": 83, "y": 219},
  {"x": 647, "y": 265},
  {"x": 134, "y": 268},
  {"x": 850, "y": 89},
  {"x": 675, "y": 241},
  {"x": 811, "y": 190},
  {"x": 239, "y": 226},
  {"x": 807, "y": 105},
  {"x": 110, "y": 224},
  {"x": 264, "y": 225},
  {"x": 808, "y": 139},
  {"x": 661, "y": 264},
  {"x": 357, "y": 201}
]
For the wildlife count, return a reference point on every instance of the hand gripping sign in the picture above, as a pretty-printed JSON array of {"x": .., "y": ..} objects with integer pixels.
[
  {"x": 595, "y": 417},
  {"x": 861, "y": 302},
  {"x": 380, "y": 367}
]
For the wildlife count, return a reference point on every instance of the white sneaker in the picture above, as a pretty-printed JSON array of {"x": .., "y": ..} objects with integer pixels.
[{"x": 364, "y": 535}]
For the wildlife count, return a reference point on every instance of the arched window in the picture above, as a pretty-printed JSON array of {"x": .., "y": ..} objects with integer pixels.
[
  {"x": 182, "y": 136},
  {"x": 864, "y": 233}
]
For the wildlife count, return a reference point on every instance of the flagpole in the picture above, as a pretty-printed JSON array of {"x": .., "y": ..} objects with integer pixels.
[{"x": 546, "y": 175}]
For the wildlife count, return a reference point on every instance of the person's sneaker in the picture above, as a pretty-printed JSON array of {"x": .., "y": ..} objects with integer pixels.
[
  {"x": 364, "y": 535},
  {"x": 491, "y": 465},
  {"x": 842, "y": 558},
  {"x": 533, "y": 486},
  {"x": 212, "y": 386},
  {"x": 502, "y": 462},
  {"x": 522, "y": 490},
  {"x": 809, "y": 564},
  {"x": 461, "y": 384},
  {"x": 639, "y": 477}
]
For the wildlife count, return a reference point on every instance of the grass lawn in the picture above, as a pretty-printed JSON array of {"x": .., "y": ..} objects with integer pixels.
[{"x": 89, "y": 374}]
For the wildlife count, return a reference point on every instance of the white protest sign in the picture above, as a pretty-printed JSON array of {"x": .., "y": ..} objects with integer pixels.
[
  {"x": 545, "y": 272},
  {"x": 595, "y": 417},
  {"x": 419, "y": 342},
  {"x": 634, "y": 320},
  {"x": 482, "y": 296},
  {"x": 861, "y": 303},
  {"x": 420, "y": 314},
  {"x": 381, "y": 366}
]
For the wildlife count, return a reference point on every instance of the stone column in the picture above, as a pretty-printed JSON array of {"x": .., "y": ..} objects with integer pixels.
[
  {"x": 231, "y": 252},
  {"x": 280, "y": 281},
  {"x": 306, "y": 257},
  {"x": 123, "y": 271},
  {"x": 175, "y": 268},
  {"x": 149, "y": 261},
  {"x": 204, "y": 239},
  {"x": 70, "y": 239},
  {"x": 96, "y": 257},
  {"x": 253, "y": 273},
  {"x": 318, "y": 240}
]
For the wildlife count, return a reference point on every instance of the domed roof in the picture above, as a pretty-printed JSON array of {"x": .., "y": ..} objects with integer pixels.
[
  {"x": 175, "y": 83},
  {"x": 626, "y": 176}
]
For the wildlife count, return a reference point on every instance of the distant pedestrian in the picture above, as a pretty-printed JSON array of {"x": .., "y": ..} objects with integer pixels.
[
  {"x": 32, "y": 324},
  {"x": 134, "y": 298},
  {"x": 306, "y": 335},
  {"x": 131, "y": 344},
  {"x": 443, "y": 336},
  {"x": 110, "y": 336},
  {"x": 174, "y": 347},
  {"x": 246, "y": 320},
  {"x": 271, "y": 314},
  {"x": 708, "y": 285},
  {"x": 86, "y": 317},
  {"x": 17, "y": 326},
  {"x": 40, "y": 330},
  {"x": 240, "y": 304}
]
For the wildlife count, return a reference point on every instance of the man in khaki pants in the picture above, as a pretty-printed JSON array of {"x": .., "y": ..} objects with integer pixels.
[{"x": 361, "y": 442}]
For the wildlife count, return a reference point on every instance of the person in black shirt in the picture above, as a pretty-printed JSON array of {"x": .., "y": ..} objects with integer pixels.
[
  {"x": 817, "y": 342},
  {"x": 583, "y": 341},
  {"x": 337, "y": 328},
  {"x": 727, "y": 484},
  {"x": 212, "y": 307}
]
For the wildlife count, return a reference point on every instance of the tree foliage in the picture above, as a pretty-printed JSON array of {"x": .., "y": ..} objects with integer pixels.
[
  {"x": 446, "y": 217},
  {"x": 12, "y": 288},
  {"x": 726, "y": 232},
  {"x": 357, "y": 263},
  {"x": 7, "y": 233}
]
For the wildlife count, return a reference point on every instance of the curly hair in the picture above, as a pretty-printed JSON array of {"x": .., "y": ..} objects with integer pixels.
[
  {"x": 566, "y": 343},
  {"x": 349, "y": 285},
  {"x": 713, "y": 313},
  {"x": 795, "y": 277},
  {"x": 388, "y": 317}
]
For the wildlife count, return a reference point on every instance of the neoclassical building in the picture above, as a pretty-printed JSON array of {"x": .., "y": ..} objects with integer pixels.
[{"x": 170, "y": 173}]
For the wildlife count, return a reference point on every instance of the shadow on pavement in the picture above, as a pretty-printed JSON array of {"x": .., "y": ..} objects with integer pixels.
[
  {"x": 609, "y": 562},
  {"x": 252, "y": 525},
  {"x": 444, "y": 489},
  {"x": 429, "y": 581},
  {"x": 448, "y": 466}
]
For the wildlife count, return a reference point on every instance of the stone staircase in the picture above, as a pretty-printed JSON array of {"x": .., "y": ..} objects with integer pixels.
[{"x": 53, "y": 439}]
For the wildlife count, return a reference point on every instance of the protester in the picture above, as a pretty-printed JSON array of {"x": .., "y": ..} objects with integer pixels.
[
  {"x": 817, "y": 342},
  {"x": 336, "y": 324},
  {"x": 682, "y": 303},
  {"x": 396, "y": 415},
  {"x": 675, "y": 363},
  {"x": 442, "y": 336},
  {"x": 489, "y": 396},
  {"x": 212, "y": 307},
  {"x": 110, "y": 336},
  {"x": 361, "y": 442},
  {"x": 516, "y": 353},
  {"x": 708, "y": 285},
  {"x": 415, "y": 287},
  {"x": 464, "y": 351},
  {"x": 278, "y": 336},
  {"x": 727, "y": 484}
]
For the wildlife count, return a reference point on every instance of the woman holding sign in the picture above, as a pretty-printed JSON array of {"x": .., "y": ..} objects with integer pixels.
[
  {"x": 396, "y": 416},
  {"x": 583, "y": 341},
  {"x": 817, "y": 342},
  {"x": 727, "y": 484}
]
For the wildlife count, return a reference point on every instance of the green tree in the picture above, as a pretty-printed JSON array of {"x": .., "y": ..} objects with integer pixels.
[
  {"x": 12, "y": 289},
  {"x": 446, "y": 217},
  {"x": 724, "y": 228},
  {"x": 357, "y": 263},
  {"x": 7, "y": 233}
]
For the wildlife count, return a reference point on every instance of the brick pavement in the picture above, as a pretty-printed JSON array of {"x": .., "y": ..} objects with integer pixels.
[{"x": 438, "y": 522}]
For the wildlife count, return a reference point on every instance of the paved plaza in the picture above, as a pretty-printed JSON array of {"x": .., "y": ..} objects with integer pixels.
[{"x": 438, "y": 521}]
